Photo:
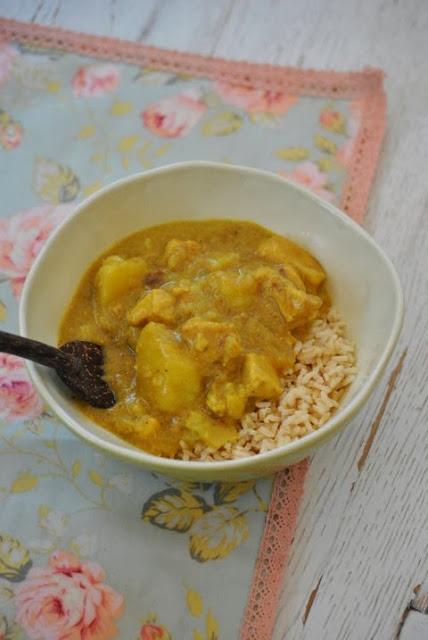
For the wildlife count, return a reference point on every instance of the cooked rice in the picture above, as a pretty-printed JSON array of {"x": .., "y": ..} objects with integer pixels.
[{"x": 324, "y": 368}]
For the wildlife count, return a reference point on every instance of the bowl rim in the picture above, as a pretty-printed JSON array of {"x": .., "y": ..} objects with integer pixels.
[{"x": 296, "y": 448}]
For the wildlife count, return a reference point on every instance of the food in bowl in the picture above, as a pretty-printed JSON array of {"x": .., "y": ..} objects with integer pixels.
[{"x": 220, "y": 340}]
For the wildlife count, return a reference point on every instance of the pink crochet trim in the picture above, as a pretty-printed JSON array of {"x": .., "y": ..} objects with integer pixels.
[
  {"x": 260, "y": 613},
  {"x": 367, "y": 87}
]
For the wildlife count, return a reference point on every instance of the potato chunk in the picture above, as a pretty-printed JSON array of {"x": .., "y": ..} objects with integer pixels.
[
  {"x": 260, "y": 378},
  {"x": 157, "y": 305},
  {"x": 146, "y": 431},
  {"x": 289, "y": 272},
  {"x": 227, "y": 399},
  {"x": 167, "y": 375},
  {"x": 211, "y": 432},
  {"x": 117, "y": 276},
  {"x": 295, "y": 305},
  {"x": 178, "y": 252},
  {"x": 233, "y": 289},
  {"x": 283, "y": 251},
  {"x": 218, "y": 341},
  {"x": 217, "y": 261}
]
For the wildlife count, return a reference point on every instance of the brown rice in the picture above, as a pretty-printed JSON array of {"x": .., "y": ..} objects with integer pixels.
[{"x": 324, "y": 368}]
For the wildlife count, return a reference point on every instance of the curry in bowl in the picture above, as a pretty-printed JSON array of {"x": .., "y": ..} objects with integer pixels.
[{"x": 219, "y": 339}]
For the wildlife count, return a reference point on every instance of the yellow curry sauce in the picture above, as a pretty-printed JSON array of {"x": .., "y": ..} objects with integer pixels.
[{"x": 198, "y": 320}]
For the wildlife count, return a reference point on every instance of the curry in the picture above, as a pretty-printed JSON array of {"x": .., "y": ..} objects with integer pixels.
[{"x": 198, "y": 321}]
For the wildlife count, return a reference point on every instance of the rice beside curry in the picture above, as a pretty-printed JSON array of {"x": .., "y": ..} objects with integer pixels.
[
  {"x": 219, "y": 339},
  {"x": 312, "y": 389}
]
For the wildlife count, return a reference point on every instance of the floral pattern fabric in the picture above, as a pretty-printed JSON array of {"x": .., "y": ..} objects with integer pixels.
[{"x": 91, "y": 548}]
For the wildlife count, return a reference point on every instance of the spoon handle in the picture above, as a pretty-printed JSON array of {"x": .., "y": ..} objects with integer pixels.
[{"x": 31, "y": 350}]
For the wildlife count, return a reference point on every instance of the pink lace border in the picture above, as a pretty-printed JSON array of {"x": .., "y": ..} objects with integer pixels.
[
  {"x": 260, "y": 613},
  {"x": 367, "y": 85}
]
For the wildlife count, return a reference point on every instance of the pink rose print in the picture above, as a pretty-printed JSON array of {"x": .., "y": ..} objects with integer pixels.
[
  {"x": 332, "y": 120},
  {"x": 345, "y": 152},
  {"x": 308, "y": 175},
  {"x": 151, "y": 631},
  {"x": 11, "y": 134},
  {"x": 95, "y": 80},
  {"x": 7, "y": 56},
  {"x": 67, "y": 601},
  {"x": 174, "y": 116},
  {"x": 21, "y": 238},
  {"x": 255, "y": 100},
  {"x": 18, "y": 398}
]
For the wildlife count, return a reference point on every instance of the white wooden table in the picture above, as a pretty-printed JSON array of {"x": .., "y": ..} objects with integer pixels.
[{"x": 361, "y": 547}]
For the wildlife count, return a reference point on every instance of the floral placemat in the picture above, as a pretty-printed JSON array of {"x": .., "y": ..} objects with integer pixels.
[{"x": 91, "y": 548}]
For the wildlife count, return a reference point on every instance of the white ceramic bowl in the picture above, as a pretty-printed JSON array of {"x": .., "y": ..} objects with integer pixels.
[{"x": 364, "y": 285}]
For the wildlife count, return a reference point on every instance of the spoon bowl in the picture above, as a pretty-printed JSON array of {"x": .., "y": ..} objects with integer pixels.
[
  {"x": 79, "y": 364},
  {"x": 83, "y": 373}
]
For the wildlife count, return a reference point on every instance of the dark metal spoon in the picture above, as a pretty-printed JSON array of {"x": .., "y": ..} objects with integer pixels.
[{"x": 79, "y": 364}]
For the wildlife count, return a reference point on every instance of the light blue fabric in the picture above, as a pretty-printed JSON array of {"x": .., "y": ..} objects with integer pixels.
[{"x": 58, "y": 142}]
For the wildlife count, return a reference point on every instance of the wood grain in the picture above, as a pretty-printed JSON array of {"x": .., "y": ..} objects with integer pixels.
[
  {"x": 376, "y": 422},
  {"x": 310, "y": 602},
  {"x": 371, "y": 544}
]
